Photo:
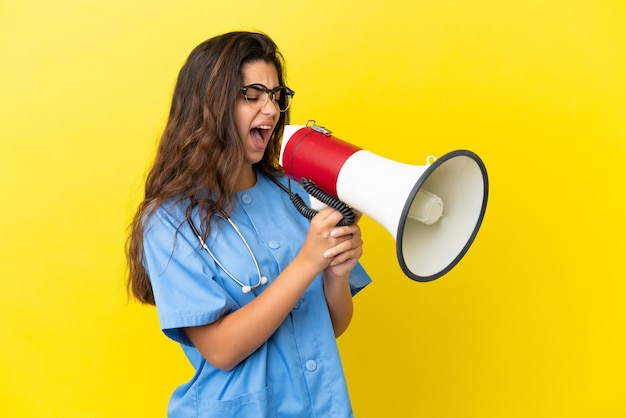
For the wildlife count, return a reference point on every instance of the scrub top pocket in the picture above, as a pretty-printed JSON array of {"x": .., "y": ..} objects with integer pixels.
[{"x": 259, "y": 404}]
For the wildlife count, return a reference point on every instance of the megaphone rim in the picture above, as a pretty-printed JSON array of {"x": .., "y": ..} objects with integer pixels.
[{"x": 407, "y": 206}]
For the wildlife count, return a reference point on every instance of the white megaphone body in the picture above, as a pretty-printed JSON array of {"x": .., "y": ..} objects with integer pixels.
[{"x": 433, "y": 211}]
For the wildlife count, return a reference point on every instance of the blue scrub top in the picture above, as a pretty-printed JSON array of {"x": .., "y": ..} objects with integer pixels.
[{"x": 297, "y": 372}]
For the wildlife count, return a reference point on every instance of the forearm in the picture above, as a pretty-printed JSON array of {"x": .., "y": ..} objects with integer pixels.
[
  {"x": 339, "y": 301},
  {"x": 231, "y": 339}
]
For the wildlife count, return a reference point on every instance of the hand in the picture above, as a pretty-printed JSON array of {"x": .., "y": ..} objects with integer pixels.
[
  {"x": 323, "y": 238},
  {"x": 347, "y": 253}
]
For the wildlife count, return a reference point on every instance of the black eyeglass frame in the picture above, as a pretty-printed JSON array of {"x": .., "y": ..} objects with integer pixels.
[{"x": 287, "y": 92}]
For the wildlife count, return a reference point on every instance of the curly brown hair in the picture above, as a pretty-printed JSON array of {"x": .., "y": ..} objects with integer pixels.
[{"x": 200, "y": 149}]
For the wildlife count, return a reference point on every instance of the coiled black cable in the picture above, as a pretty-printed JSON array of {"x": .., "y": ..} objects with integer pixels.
[
  {"x": 325, "y": 198},
  {"x": 319, "y": 194}
]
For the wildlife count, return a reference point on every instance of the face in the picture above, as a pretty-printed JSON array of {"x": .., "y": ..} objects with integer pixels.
[{"x": 255, "y": 125}]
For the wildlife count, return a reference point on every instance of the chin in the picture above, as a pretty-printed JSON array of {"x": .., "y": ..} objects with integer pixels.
[{"x": 253, "y": 159}]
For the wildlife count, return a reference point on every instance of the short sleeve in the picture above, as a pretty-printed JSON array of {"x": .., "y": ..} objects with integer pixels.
[
  {"x": 358, "y": 279},
  {"x": 185, "y": 291}
]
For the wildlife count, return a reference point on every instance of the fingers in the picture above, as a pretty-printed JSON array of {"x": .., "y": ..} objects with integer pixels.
[
  {"x": 346, "y": 231},
  {"x": 350, "y": 247},
  {"x": 319, "y": 238},
  {"x": 331, "y": 215},
  {"x": 345, "y": 249},
  {"x": 336, "y": 244},
  {"x": 325, "y": 220},
  {"x": 349, "y": 236}
]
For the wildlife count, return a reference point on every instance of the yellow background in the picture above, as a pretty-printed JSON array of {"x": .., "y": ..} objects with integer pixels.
[{"x": 531, "y": 323}]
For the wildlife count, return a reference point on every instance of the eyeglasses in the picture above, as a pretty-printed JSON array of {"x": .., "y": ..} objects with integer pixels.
[{"x": 256, "y": 96}]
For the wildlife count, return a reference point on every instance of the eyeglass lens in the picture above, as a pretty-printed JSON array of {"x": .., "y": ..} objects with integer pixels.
[{"x": 257, "y": 96}]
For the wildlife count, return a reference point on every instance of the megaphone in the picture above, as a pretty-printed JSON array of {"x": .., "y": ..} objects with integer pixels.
[{"x": 434, "y": 211}]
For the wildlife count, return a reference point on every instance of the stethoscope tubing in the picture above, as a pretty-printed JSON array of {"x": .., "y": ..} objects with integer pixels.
[
  {"x": 244, "y": 287},
  {"x": 299, "y": 205}
]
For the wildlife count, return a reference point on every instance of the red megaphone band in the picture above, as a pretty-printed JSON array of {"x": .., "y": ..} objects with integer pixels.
[{"x": 316, "y": 156}]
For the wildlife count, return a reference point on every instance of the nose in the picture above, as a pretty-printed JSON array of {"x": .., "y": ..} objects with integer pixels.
[{"x": 269, "y": 108}]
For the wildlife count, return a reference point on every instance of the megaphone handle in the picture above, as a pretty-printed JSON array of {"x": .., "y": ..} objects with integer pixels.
[{"x": 327, "y": 199}]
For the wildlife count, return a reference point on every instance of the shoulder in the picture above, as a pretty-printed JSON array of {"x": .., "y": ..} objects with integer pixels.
[
  {"x": 164, "y": 225},
  {"x": 172, "y": 211}
]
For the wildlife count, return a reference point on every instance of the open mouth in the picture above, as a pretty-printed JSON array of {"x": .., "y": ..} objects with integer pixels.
[{"x": 261, "y": 133}]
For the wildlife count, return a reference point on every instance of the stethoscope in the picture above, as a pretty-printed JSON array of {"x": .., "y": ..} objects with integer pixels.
[
  {"x": 300, "y": 206},
  {"x": 244, "y": 287}
]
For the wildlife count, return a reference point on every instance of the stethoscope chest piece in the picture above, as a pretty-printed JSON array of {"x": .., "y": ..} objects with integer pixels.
[{"x": 248, "y": 289}]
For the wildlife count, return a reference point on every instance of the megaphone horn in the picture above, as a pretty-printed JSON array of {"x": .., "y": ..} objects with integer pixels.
[{"x": 433, "y": 211}]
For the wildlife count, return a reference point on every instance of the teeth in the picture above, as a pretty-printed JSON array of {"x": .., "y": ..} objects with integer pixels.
[{"x": 265, "y": 127}]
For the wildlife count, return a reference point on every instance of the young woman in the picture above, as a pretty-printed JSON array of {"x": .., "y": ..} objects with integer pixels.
[{"x": 254, "y": 292}]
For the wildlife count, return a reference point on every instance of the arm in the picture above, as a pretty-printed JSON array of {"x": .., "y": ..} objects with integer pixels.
[
  {"x": 229, "y": 340},
  {"x": 336, "y": 285},
  {"x": 339, "y": 300}
]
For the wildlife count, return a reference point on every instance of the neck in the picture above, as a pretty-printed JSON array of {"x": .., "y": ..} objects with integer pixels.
[{"x": 247, "y": 178}]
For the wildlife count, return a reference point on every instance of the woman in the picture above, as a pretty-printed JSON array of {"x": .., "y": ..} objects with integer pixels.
[{"x": 255, "y": 293}]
